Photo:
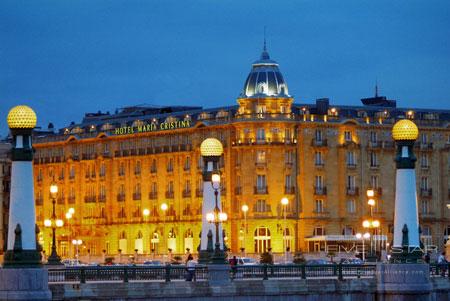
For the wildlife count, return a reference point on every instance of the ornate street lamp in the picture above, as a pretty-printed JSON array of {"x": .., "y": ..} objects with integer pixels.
[
  {"x": 54, "y": 258},
  {"x": 164, "y": 208},
  {"x": 245, "y": 210},
  {"x": 363, "y": 237},
  {"x": 76, "y": 243},
  {"x": 217, "y": 217}
]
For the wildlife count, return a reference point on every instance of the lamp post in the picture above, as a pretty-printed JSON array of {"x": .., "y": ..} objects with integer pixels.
[
  {"x": 69, "y": 215},
  {"x": 217, "y": 217},
  {"x": 54, "y": 258},
  {"x": 76, "y": 243},
  {"x": 363, "y": 237},
  {"x": 284, "y": 202},
  {"x": 164, "y": 208},
  {"x": 244, "y": 209},
  {"x": 146, "y": 214},
  {"x": 373, "y": 225}
]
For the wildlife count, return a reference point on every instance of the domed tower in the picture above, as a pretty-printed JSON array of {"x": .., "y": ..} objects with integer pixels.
[{"x": 265, "y": 91}]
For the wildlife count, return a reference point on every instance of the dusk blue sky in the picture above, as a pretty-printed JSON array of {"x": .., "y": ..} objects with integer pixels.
[{"x": 65, "y": 58}]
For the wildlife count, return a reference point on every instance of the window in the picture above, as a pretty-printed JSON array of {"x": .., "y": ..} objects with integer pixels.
[
  {"x": 319, "y": 231},
  {"x": 348, "y": 136},
  {"x": 348, "y": 230},
  {"x": 122, "y": 189},
  {"x": 424, "y": 183},
  {"x": 137, "y": 168},
  {"x": 260, "y": 134},
  {"x": 153, "y": 166},
  {"x": 121, "y": 169},
  {"x": 287, "y": 134},
  {"x": 319, "y": 182},
  {"x": 238, "y": 159},
  {"x": 424, "y": 160},
  {"x": 373, "y": 159},
  {"x": 373, "y": 137},
  {"x": 374, "y": 181},
  {"x": 351, "y": 206},
  {"x": 170, "y": 165},
  {"x": 318, "y": 159},
  {"x": 187, "y": 186},
  {"x": 187, "y": 163},
  {"x": 350, "y": 182},
  {"x": 170, "y": 187},
  {"x": 102, "y": 169},
  {"x": 318, "y": 135},
  {"x": 71, "y": 172},
  {"x": 261, "y": 109},
  {"x": 351, "y": 158},
  {"x": 319, "y": 207},
  {"x": 261, "y": 181},
  {"x": 425, "y": 206},
  {"x": 260, "y": 206},
  {"x": 260, "y": 156},
  {"x": 288, "y": 181},
  {"x": 154, "y": 187},
  {"x": 424, "y": 138},
  {"x": 289, "y": 157}
]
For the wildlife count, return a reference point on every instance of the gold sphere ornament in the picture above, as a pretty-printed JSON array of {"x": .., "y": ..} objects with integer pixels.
[
  {"x": 21, "y": 117},
  {"x": 405, "y": 129},
  {"x": 211, "y": 147}
]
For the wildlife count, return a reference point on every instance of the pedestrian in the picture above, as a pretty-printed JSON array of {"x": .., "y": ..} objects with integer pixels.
[
  {"x": 190, "y": 268},
  {"x": 427, "y": 258},
  {"x": 442, "y": 263},
  {"x": 233, "y": 265}
]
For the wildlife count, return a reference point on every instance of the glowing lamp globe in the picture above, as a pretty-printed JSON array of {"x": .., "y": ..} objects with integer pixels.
[
  {"x": 244, "y": 208},
  {"x": 405, "y": 130},
  {"x": 21, "y": 117},
  {"x": 211, "y": 147}
]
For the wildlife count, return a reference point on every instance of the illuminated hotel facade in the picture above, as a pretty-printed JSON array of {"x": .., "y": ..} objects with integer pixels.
[{"x": 323, "y": 158}]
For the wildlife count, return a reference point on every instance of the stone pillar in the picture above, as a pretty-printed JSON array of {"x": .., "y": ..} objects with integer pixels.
[{"x": 406, "y": 246}]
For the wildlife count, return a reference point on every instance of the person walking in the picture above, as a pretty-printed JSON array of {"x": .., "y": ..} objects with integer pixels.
[
  {"x": 442, "y": 263},
  {"x": 190, "y": 268},
  {"x": 233, "y": 265}
]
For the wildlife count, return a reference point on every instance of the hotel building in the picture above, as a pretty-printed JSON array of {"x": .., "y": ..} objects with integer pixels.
[{"x": 323, "y": 158}]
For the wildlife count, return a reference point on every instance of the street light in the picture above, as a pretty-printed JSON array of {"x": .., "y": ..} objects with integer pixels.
[
  {"x": 76, "y": 243},
  {"x": 373, "y": 225},
  {"x": 164, "y": 208},
  {"x": 217, "y": 217},
  {"x": 284, "y": 202},
  {"x": 69, "y": 215},
  {"x": 54, "y": 258},
  {"x": 363, "y": 237},
  {"x": 244, "y": 209}
]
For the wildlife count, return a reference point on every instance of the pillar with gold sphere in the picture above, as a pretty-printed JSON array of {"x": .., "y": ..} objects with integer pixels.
[
  {"x": 406, "y": 246},
  {"x": 22, "y": 248},
  {"x": 211, "y": 150}
]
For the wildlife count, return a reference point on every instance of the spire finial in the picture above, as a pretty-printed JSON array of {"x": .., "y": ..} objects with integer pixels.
[
  {"x": 376, "y": 87},
  {"x": 265, "y": 49}
]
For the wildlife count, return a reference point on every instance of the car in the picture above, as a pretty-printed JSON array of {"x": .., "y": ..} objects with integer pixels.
[{"x": 153, "y": 263}]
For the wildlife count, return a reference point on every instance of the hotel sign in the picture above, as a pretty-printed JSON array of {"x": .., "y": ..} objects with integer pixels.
[{"x": 152, "y": 127}]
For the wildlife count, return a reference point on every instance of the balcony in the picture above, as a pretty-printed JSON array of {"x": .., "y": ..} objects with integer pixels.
[
  {"x": 153, "y": 195},
  {"x": 169, "y": 194},
  {"x": 261, "y": 190},
  {"x": 136, "y": 196},
  {"x": 321, "y": 214},
  {"x": 351, "y": 165},
  {"x": 199, "y": 193},
  {"x": 352, "y": 191},
  {"x": 260, "y": 164},
  {"x": 319, "y": 143},
  {"x": 90, "y": 199},
  {"x": 318, "y": 190},
  {"x": 71, "y": 199},
  {"x": 319, "y": 164},
  {"x": 61, "y": 200},
  {"x": 186, "y": 193},
  {"x": 425, "y": 146},
  {"x": 121, "y": 197},
  {"x": 153, "y": 170},
  {"x": 289, "y": 164},
  {"x": 187, "y": 168},
  {"x": 39, "y": 201},
  {"x": 169, "y": 169},
  {"x": 238, "y": 190},
  {"x": 102, "y": 198},
  {"x": 426, "y": 192},
  {"x": 289, "y": 189},
  {"x": 374, "y": 144}
]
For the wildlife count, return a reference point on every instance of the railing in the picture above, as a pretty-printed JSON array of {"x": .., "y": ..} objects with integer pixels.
[{"x": 167, "y": 273}]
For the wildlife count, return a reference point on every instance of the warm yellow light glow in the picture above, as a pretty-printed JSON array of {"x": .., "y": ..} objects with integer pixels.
[
  {"x": 48, "y": 223},
  {"x": 210, "y": 217},
  {"x": 370, "y": 193},
  {"x": 215, "y": 178},
  {"x": 366, "y": 235},
  {"x": 223, "y": 216},
  {"x": 284, "y": 201},
  {"x": 21, "y": 117},
  {"x": 371, "y": 202},
  {"x": 71, "y": 210},
  {"x": 405, "y": 129},
  {"x": 68, "y": 215},
  {"x": 77, "y": 241},
  {"x": 164, "y": 206},
  {"x": 358, "y": 235},
  {"x": 211, "y": 147},
  {"x": 376, "y": 223},
  {"x": 146, "y": 212},
  {"x": 53, "y": 189},
  {"x": 59, "y": 223},
  {"x": 366, "y": 224},
  {"x": 244, "y": 208}
]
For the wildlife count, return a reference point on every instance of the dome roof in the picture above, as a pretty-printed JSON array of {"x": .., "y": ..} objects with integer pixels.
[
  {"x": 265, "y": 79},
  {"x": 211, "y": 147},
  {"x": 21, "y": 117},
  {"x": 405, "y": 130}
]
